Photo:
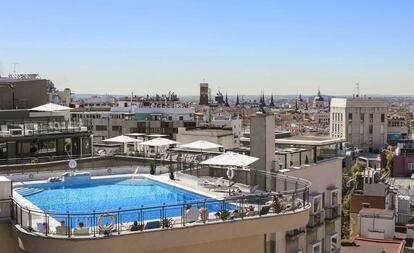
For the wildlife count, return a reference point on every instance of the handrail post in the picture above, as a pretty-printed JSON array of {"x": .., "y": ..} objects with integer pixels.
[
  {"x": 94, "y": 223},
  {"x": 47, "y": 224},
  {"x": 69, "y": 224},
  {"x": 21, "y": 217},
  {"x": 118, "y": 221},
  {"x": 30, "y": 220},
  {"x": 162, "y": 215}
]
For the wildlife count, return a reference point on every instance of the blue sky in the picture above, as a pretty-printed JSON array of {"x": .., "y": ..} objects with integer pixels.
[{"x": 280, "y": 47}]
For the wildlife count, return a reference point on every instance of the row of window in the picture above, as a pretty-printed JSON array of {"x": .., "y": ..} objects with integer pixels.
[
  {"x": 318, "y": 201},
  {"x": 371, "y": 117}
]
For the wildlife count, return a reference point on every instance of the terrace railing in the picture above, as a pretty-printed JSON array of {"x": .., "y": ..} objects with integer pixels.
[
  {"x": 292, "y": 195},
  {"x": 36, "y": 128}
]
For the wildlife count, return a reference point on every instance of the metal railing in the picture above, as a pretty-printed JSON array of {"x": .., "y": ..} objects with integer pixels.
[
  {"x": 239, "y": 206},
  {"x": 11, "y": 129},
  {"x": 41, "y": 159}
]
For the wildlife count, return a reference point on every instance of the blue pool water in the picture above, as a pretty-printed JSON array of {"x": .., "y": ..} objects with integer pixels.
[{"x": 103, "y": 195}]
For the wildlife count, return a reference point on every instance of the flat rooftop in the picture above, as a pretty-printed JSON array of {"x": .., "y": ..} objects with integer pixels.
[
  {"x": 364, "y": 245},
  {"x": 310, "y": 140},
  {"x": 210, "y": 131}
]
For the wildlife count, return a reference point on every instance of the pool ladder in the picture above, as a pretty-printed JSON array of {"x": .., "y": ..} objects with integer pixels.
[{"x": 136, "y": 172}]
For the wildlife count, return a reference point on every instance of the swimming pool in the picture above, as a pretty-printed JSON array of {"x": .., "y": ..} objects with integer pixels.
[{"x": 113, "y": 194}]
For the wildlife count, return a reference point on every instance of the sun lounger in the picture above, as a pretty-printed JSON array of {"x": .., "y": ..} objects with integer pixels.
[{"x": 207, "y": 183}]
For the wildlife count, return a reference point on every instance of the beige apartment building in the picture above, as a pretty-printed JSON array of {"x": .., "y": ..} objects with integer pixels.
[
  {"x": 22, "y": 92},
  {"x": 362, "y": 121}
]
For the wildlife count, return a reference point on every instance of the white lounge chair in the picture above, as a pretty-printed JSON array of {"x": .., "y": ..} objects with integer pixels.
[{"x": 218, "y": 182}]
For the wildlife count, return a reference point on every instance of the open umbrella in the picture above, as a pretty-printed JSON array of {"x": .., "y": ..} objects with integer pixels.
[
  {"x": 50, "y": 107},
  {"x": 201, "y": 145},
  {"x": 159, "y": 142},
  {"x": 231, "y": 159},
  {"x": 122, "y": 139}
]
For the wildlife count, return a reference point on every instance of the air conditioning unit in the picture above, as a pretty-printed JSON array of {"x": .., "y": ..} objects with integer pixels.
[{"x": 16, "y": 132}]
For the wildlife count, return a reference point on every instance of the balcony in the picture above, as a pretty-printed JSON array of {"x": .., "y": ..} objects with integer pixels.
[
  {"x": 316, "y": 220},
  {"x": 292, "y": 235},
  {"x": 332, "y": 213}
]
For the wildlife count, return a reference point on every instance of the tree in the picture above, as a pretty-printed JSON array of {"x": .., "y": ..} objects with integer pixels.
[
  {"x": 389, "y": 157},
  {"x": 349, "y": 184}
]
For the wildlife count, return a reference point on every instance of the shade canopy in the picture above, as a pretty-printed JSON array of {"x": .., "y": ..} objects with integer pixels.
[
  {"x": 201, "y": 145},
  {"x": 50, "y": 107},
  {"x": 136, "y": 134},
  {"x": 122, "y": 139},
  {"x": 157, "y": 135},
  {"x": 230, "y": 159},
  {"x": 158, "y": 142}
]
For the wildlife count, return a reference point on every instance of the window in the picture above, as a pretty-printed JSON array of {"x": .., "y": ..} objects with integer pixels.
[
  {"x": 316, "y": 204},
  {"x": 323, "y": 199},
  {"x": 334, "y": 197},
  {"x": 411, "y": 166},
  {"x": 101, "y": 128},
  {"x": 371, "y": 129},
  {"x": 116, "y": 128},
  {"x": 316, "y": 247},
  {"x": 181, "y": 118},
  {"x": 349, "y": 116},
  {"x": 362, "y": 117},
  {"x": 382, "y": 118},
  {"x": 334, "y": 242}
]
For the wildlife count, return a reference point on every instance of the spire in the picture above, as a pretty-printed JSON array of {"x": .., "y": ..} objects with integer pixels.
[
  {"x": 271, "y": 101},
  {"x": 237, "y": 99},
  {"x": 296, "y": 105},
  {"x": 262, "y": 100},
  {"x": 319, "y": 92},
  {"x": 227, "y": 101}
]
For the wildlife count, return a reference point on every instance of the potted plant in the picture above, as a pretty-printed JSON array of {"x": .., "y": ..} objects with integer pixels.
[
  {"x": 153, "y": 166},
  {"x": 224, "y": 214},
  {"x": 33, "y": 149},
  {"x": 171, "y": 169},
  {"x": 166, "y": 222}
]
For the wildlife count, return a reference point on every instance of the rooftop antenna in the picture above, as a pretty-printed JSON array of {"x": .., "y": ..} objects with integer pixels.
[
  {"x": 357, "y": 88},
  {"x": 130, "y": 106},
  {"x": 14, "y": 67}
]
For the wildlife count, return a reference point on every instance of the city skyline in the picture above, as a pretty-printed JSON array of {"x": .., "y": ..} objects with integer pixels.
[{"x": 149, "y": 48}]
